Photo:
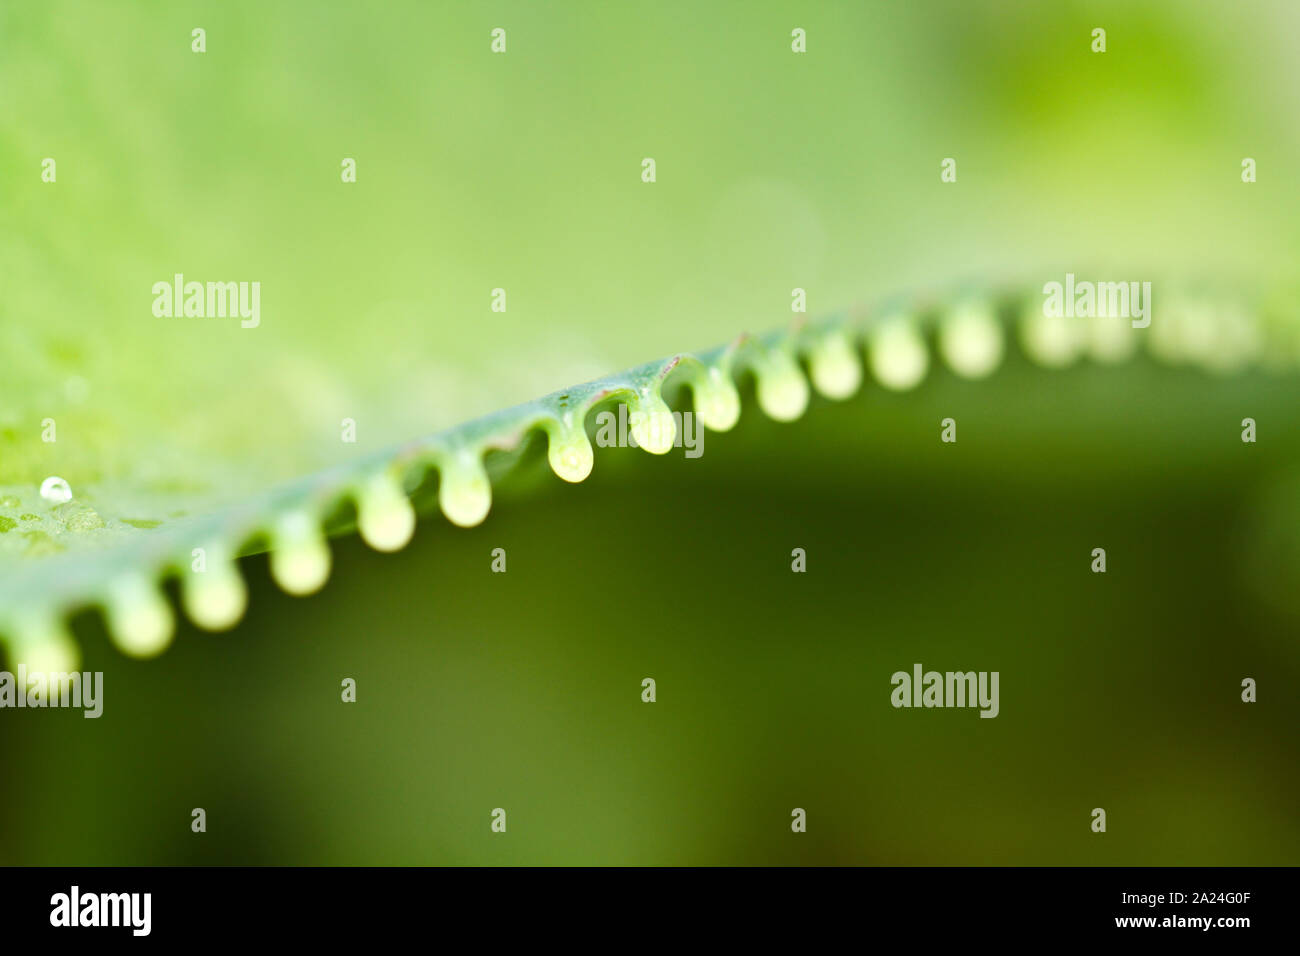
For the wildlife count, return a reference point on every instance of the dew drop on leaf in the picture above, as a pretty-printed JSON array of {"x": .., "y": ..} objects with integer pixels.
[{"x": 55, "y": 490}]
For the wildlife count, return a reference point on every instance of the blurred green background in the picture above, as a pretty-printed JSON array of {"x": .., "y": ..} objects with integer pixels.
[{"x": 775, "y": 170}]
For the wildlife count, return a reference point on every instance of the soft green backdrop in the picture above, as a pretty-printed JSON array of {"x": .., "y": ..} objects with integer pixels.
[{"x": 775, "y": 170}]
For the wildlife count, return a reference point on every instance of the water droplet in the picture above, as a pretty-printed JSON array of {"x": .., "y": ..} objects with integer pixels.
[
  {"x": 971, "y": 340},
  {"x": 10, "y": 501},
  {"x": 569, "y": 452},
  {"x": 652, "y": 423},
  {"x": 384, "y": 515},
  {"x": 300, "y": 559},
  {"x": 139, "y": 618},
  {"x": 899, "y": 359},
  {"x": 717, "y": 402},
  {"x": 464, "y": 492},
  {"x": 836, "y": 371},
  {"x": 215, "y": 599},
  {"x": 1053, "y": 341},
  {"x": 782, "y": 389},
  {"x": 55, "y": 490}
]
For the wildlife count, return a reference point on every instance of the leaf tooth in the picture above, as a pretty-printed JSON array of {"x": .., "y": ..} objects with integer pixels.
[
  {"x": 464, "y": 491},
  {"x": 1175, "y": 337},
  {"x": 1051, "y": 341},
  {"x": 1218, "y": 335},
  {"x": 569, "y": 450},
  {"x": 899, "y": 358},
  {"x": 717, "y": 402},
  {"x": 652, "y": 421},
  {"x": 1110, "y": 339},
  {"x": 970, "y": 339},
  {"x": 782, "y": 388},
  {"x": 300, "y": 556},
  {"x": 216, "y": 597},
  {"x": 385, "y": 517},
  {"x": 836, "y": 370},
  {"x": 1239, "y": 340},
  {"x": 41, "y": 642},
  {"x": 140, "y": 620}
]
